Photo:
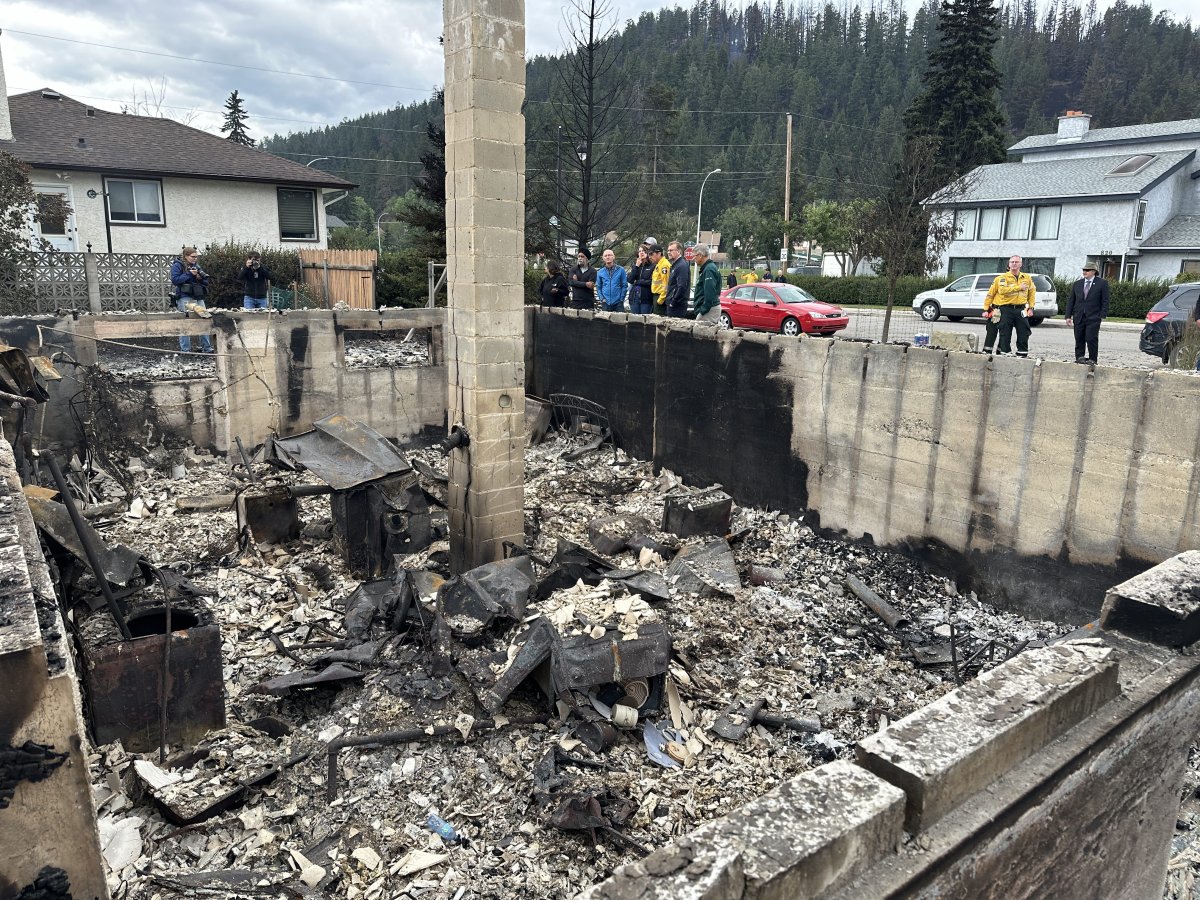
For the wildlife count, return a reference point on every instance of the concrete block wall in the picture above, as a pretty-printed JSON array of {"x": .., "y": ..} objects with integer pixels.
[
  {"x": 274, "y": 373},
  {"x": 1037, "y": 484},
  {"x": 1057, "y": 774},
  {"x": 50, "y": 819}
]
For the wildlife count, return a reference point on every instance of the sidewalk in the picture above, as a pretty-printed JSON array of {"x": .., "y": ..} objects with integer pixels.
[{"x": 902, "y": 313}]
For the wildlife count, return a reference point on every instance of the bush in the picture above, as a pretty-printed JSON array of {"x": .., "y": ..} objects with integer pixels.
[
  {"x": 223, "y": 262},
  {"x": 533, "y": 280},
  {"x": 1127, "y": 299},
  {"x": 864, "y": 290}
]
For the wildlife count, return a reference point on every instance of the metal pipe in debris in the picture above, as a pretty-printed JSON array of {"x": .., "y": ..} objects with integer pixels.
[
  {"x": 60, "y": 482},
  {"x": 876, "y": 604}
]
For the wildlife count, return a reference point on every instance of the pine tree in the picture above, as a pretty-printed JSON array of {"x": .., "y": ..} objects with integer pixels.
[
  {"x": 958, "y": 107},
  {"x": 234, "y": 127}
]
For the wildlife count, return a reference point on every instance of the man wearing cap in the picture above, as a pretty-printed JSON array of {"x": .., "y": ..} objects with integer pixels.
[
  {"x": 706, "y": 301},
  {"x": 582, "y": 280},
  {"x": 679, "y": 281},
  {"x": 1087, "y": 307},
  {"x": 1012, "y": 296},
  {"x": 658, "y": 280}
]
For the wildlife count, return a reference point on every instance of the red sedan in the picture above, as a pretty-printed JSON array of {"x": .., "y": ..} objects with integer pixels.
[{"x": 779, "y": 307}]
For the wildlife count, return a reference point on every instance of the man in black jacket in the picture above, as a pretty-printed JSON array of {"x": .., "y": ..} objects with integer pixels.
[
  {"x": 679, "y": 282},
  {"x": 582, "y": 280},
  {"x": 1087, "y": 307},
  {"x": 255, "y": 279}
]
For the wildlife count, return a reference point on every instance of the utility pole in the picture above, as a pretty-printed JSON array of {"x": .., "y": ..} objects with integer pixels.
[
  {"x": 787, "y": 196},
  {"x": 558, "y": 193}
]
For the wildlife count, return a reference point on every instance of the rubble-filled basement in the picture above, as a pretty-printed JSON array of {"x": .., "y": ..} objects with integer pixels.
[{"x": 661, "y": 690}]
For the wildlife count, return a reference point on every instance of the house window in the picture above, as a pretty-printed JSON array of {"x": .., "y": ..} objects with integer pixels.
[
  {"x": 134, "y": 201},
  {"x": 1045, "y": 223},
  {"x": 1139, "y": 224},
  {"x": 991, "y": 222},
  {"x": 1190, "y": 265},
  {"x": 964, "y": 224},
  {"x": 992, "y": 265},
  {"x": 1130, "y": 273},
  {"x": 1016, "y": 228},
  {"x": 297, "y": 215}
]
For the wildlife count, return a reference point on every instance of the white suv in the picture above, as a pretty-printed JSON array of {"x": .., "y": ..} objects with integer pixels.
[{"x": 964, "y": 297}]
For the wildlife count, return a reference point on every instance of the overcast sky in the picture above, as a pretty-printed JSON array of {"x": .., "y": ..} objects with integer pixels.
[{"x": 372, "y": 55}]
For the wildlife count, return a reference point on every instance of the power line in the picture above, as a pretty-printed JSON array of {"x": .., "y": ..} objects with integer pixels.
[{"x": 214, "y": 62}]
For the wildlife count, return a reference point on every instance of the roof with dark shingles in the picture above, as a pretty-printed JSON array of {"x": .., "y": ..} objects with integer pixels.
[
  {"x": 1086, "y": 176},
  {"x": 1180, "y": 231},
  {"x": 1181, "y": 128},
  {"x": 46, "y": 134}
]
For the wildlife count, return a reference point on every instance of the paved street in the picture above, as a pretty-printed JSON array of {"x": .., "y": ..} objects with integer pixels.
[{"x": 1050, "y": 340}]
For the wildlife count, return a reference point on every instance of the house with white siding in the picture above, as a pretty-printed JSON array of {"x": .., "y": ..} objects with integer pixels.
[
  {"x": 141, "y": 184},
  {"x": 1127, "y": 198}
]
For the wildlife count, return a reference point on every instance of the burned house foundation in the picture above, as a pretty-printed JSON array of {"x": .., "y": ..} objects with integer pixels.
[{"x": 766, "y": 553}]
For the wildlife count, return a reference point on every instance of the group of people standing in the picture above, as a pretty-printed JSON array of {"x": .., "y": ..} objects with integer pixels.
[
  {"x": 656, "y": 283},
  {"x": 190, "y": 286}
]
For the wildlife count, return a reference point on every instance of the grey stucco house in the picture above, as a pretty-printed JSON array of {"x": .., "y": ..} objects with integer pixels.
[{"x": 1127, "y": 197}]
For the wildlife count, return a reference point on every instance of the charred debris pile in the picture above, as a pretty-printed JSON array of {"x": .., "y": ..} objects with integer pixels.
[{"x": 335, "y": 714}]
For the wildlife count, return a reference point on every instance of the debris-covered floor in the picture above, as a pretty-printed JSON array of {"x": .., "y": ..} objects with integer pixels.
[{"x": 528, "y": 810}]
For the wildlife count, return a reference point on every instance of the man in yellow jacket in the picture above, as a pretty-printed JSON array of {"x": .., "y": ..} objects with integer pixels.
[{"x": 1011, "y": 297}]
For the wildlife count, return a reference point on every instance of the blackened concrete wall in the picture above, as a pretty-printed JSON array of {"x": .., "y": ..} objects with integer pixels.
[{"x": 1038, "y": 484}]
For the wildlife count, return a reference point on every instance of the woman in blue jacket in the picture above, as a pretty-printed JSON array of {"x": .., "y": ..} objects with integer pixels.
[{"x": 190, "y": 287}]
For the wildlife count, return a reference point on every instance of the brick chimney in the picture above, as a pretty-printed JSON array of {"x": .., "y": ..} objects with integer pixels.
[
  {"x": 1072, "y": 126},
  {"x": 5, "y": 119}
]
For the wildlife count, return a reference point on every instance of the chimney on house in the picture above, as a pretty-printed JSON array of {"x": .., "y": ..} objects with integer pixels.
[
  {"x": 5, "y": 117},
  {"x": 1072, "y": 126}
]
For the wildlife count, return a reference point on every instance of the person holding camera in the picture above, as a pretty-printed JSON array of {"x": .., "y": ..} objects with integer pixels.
[
  {"x": 256, "y": 282},
  {"x": 190, "y": 287}
]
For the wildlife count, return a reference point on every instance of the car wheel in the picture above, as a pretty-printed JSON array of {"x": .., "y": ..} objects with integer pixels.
[
  {"x": 791, "y": 327},
  {"x": 930, "y": 311},
  {"x": 1035, "y": 321},
  {"x": 726, "y": 322},
  {"x": 955, "y": 318}
]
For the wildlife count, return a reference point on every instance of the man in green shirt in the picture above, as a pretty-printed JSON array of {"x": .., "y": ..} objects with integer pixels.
[{"x": 706, "y": 300}]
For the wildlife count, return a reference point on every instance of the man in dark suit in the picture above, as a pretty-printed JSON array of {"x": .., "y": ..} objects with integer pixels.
[{"x": 1087, "y": 307}]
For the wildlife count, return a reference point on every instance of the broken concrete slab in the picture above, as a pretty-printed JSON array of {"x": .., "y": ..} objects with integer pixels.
[
  {"x": 1161, "y": 605},
  {"x": 946, "y": 751}
]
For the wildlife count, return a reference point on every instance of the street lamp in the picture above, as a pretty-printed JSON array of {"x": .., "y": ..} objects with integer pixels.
[
  {"x": 581, "y": 151},
  {"x": 379, "y": 232},
  {"x": 699, "y": 209},
  {"x": 318, "y": 159}
]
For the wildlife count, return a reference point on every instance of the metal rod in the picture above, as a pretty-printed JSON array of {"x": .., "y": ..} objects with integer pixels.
[
  {"x": 165, "y": 685},
  {"x": 405, "y": 735},
  {"x": 60, "y": 482},
  {"x": 246, "y": 460},
  {"x": 876, "y": 604}
]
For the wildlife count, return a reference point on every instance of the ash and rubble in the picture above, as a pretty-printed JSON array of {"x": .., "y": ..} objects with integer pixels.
[
  {"x": 167, "y": 362},
  {"x": 368, "y": 353},
  {"x": 533, "y": 810}
]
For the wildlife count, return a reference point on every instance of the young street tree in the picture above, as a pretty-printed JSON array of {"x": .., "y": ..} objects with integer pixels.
[
  {"x": 234, "y": 127},
  {"x": 958, "y": 106},
  {"x": 589, "y": 108},
  {"x": 916, "y": 203}
]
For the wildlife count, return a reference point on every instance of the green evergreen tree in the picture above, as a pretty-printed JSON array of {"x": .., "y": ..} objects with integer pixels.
[
  {"x": 234, "y": 127},
  {"x": 959, "y": 108}
]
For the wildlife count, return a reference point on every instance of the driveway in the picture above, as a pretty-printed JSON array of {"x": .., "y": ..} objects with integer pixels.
[{"x": 1050, "y": 340}]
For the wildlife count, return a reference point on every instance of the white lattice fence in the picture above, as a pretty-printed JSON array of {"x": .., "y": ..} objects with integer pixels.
[
  {"x": 134, "y": 281},
  {"x": 32, "y": 283}
]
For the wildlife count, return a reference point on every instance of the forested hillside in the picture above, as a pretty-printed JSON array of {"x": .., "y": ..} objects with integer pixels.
[{"x": 709, "y": 86}]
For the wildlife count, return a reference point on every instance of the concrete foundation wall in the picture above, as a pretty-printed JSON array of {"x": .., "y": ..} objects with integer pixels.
[
  {"x": 274, "y": 373},
  {"x": 1041, "y": 484}
]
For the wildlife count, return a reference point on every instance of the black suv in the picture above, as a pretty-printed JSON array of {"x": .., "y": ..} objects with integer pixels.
[{"x": 1167, "y": 319}]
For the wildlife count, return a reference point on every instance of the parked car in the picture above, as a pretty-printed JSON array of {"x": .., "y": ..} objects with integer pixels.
[
  {"x": 779, "y": 307},
  {"x": 1167, "y": 319},
  {"x": 964, "y": 297}
]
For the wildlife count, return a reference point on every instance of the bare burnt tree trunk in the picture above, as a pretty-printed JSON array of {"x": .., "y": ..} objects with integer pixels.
[{"x": 589, "y": 109}]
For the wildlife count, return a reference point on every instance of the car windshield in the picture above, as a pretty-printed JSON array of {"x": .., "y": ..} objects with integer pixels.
[{"x": 789, "y": 293}]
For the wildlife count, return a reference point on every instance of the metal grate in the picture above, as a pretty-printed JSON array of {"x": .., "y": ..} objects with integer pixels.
[{"x": 578, "y": 415}]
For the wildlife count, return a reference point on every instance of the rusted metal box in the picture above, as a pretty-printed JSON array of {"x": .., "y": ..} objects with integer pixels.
[
  {"x": 273, "y": 516},
  {"x": 124, "y": 678}
]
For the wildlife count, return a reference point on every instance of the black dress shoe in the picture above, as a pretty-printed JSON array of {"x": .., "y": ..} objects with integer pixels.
[{"x": 1081, "y": 359}]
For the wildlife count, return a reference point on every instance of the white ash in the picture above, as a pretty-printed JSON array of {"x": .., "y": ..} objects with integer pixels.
[
  {"x": 131, "y": 365},
  {"x": 370, "y": 353},
  {"x": 806, "y": 646}
]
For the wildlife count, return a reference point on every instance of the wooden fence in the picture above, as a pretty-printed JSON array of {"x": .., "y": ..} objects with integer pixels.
[{"x": 337, "y": 276}]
